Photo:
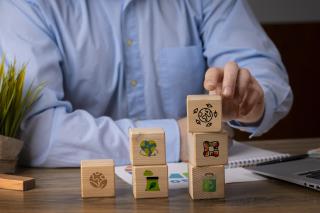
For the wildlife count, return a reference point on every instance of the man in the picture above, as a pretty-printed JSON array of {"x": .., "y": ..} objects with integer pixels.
[{"x": 110, "y": 65}]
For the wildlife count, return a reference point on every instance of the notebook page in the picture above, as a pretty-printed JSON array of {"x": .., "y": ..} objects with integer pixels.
[{"x": 242, "y": 155}]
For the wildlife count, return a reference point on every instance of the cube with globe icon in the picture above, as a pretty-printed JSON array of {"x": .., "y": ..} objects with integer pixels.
[
  {"x": 147, "y": 146},
  {"x": 97, "y": 178}
]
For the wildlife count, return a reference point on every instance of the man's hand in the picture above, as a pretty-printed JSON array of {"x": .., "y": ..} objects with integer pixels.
[{"x": 242, "y": 96}]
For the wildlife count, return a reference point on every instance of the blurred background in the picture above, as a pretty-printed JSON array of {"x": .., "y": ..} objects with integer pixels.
[{"x": 294, "y": 26}]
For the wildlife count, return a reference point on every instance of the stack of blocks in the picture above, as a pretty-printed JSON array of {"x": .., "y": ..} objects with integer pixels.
[
  {"x": 208, "y": 147},
  {"x": 148, "y": 159}
]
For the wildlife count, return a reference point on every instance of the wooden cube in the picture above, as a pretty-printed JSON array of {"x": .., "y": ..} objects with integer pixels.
[
  {"x": 208, "y": 149},
  {"x": 14, "y": 182},
  {"x": 206, "y": 182},
  {"x": 97, "y": 178},
  {"x": 204, "y": 113},
  {"x": 150, "y": 181},
  {"x": 147, "y": 146}
]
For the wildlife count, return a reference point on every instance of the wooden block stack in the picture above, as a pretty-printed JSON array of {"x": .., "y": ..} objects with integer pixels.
[
  {"x": 148, "y": 159},
  {"x": 208, "y": 147}
]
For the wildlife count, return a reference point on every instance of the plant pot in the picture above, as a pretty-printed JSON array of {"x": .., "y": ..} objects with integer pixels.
[{"x": 9, "y": 152}]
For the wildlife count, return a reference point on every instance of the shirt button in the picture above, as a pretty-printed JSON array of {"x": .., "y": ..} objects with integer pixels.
[
  {"x": 129, "y": 42},
  {"x": 133, "y": 83}
]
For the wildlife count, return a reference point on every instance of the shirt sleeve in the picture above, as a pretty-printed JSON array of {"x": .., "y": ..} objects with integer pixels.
[
  {"x": 230, "y": 32},
  {"x": 55, "y": 134}
]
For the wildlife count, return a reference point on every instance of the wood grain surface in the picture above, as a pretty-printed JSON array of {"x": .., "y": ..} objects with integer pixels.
[{"x": 58, "y": 190}]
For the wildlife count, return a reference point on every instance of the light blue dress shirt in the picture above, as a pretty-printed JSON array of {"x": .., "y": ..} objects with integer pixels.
[{"x": 114, "y": 64}]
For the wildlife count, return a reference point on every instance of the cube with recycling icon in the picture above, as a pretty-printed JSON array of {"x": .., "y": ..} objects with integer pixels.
[{"x": 204, "y": 113}]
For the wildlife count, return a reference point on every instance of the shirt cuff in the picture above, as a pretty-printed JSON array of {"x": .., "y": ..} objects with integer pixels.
[
  {"x": 172, "y": 136},
  {"x": 261, "y": 127}
]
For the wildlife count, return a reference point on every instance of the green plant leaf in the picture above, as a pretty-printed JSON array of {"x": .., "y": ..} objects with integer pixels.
[{"x": 14, "y": 103}]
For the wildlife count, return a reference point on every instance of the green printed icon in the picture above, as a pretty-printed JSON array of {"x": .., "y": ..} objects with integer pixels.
[
  {"x": 148, "y": 148},
  {"x": 152, "y": 184},
  {"x": 152, "y": 181},
  {"x": 209, "y": 183},
  {"x": 186, "y": 174}
]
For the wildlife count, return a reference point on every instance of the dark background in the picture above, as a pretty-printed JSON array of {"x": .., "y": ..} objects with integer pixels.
[{"x": 299, "y": 45}]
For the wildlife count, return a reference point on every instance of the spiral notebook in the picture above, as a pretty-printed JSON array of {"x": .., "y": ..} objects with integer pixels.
[{"x": 243, "y": 155}]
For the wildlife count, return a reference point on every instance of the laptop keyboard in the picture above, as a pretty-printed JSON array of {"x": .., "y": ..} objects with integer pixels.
[{"x": 312, "y": 174}]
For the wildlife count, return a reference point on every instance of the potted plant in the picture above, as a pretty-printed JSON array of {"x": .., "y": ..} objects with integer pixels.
[{"x": 14, "y": 104}]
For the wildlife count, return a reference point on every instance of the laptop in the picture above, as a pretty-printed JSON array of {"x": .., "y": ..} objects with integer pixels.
[{"x": 304, "y": 172}]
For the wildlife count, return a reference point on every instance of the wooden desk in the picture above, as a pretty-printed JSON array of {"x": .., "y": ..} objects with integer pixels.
[{"x": 58, "y": 190}]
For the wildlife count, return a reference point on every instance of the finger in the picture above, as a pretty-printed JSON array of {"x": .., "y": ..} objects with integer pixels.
[
  {"x": 230, "y": 76},
  {"x": 212, "y": 78},
  {"x": 258, "y": 88},
  {"x": 230, "y": 109},
  {"x": 243, "y": 81},
  {"x": 252, "y": 99},
  {"x": 247, "y": 103},
  {"x": 217, "y": 90}
]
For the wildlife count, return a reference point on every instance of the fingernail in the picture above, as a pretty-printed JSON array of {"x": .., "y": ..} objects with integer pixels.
[
  {"x": 227, "y": 91},
  {"x": 213, "y": 92},
  {"x": 210, "y": 84}
]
